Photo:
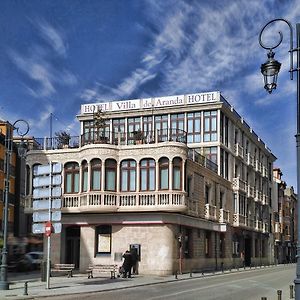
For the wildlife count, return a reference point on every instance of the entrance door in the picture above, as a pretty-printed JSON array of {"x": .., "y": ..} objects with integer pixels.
[
  {"x": 247, "y": 252},
  {"x": 73, "y": 246}
]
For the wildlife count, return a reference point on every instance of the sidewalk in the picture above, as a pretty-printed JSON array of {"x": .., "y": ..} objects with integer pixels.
[{"x": 79, "y": 283}]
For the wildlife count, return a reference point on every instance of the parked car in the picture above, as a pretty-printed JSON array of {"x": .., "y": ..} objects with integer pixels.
[{"x": 34, "y": 259}]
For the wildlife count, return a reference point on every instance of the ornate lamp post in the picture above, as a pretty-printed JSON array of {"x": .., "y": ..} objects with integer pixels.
[
  {"x": 22, "y": 128},
  {"x": 270, "y": 70}
]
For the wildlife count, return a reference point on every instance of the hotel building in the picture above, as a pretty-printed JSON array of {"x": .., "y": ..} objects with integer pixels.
[{"x": 183, "y": 178}]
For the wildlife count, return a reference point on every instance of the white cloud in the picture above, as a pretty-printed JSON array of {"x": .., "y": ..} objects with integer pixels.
[{"x": 53, "y": 37}]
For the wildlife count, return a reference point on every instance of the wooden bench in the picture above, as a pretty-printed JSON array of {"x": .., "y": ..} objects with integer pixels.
[
  {"x": 112, "y": 269},
  {"x": 67, "y": 268}
]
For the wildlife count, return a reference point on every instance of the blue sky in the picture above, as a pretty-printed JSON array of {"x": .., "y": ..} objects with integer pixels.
[{"x": 56, "y": 55}]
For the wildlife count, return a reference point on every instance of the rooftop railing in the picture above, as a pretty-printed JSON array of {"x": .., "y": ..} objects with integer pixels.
[{"x": 113, "y": 138}]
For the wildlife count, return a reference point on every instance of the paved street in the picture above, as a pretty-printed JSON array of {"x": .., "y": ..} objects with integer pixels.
[{"x": 250, "y": 285}]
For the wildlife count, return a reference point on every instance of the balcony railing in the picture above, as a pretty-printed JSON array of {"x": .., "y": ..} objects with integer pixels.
[
  {"x": 224, "y": 216},
  {"x": 110, "y": 201},
  {"x": 250, "y": 191},
  {"x": 210, "y": 212},
  {"x": 113, "y": 138},
  {"x": 258, "y": 166},
  {"x": 239, "y": 150},
  {"x": 257, "y": 196},
  {"x": 202, "y": 160},
  {"x": 249, "y": 160},
  {"x": 239, "y": 185},
  {"x": 239, "y": 220}
]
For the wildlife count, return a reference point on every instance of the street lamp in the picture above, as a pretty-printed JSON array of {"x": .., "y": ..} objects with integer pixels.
[
  {"x": 270, "y": 70},
  {"x": 22, "y": 127}
]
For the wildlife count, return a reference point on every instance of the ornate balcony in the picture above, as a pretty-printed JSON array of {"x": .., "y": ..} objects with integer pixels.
[
  {"x": 210, "y": 212},
  {"x": 257, "y": 196},
  {"x": 249, "y": 160},
  {"x": 239, "y": 220},
  {"x": 224, "y": 216},
  {"x": 114, "y": 202},
  {"x": 250, "y": 191},
  {"x": 239, "y": 150},
  {"x": 239, "y": 185},
  {"x": 258, "y": 225},
  {"x": 258, "y": 166}
]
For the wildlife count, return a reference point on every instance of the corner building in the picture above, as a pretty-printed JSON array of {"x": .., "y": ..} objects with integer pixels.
[{"x": 182, "y": 178}]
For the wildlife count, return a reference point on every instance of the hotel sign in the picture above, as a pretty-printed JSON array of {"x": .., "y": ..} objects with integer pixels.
[{"x": 115, "y": 106}]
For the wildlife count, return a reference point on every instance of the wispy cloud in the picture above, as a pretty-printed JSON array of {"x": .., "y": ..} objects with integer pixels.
[{"x": 53, "y": 37}]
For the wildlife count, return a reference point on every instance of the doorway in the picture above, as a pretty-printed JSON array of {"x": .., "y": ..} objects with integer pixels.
[
  {"x": 72, "y": 246},
  {"x": 247, "y": 251}
]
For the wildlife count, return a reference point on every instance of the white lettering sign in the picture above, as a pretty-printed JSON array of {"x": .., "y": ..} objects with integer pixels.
[{"x": 198, "y": 98}]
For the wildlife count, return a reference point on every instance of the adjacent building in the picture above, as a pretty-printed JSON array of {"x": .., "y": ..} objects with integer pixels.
[{"x": 184, "y": 179}]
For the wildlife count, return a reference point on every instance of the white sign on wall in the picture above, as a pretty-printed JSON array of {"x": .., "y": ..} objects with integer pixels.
[{"x": 151, "y": 103}]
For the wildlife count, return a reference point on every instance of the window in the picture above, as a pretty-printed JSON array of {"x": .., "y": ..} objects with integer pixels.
[
  {"x": 211, "y": 154},
  {"x": 161, "y": 124},
  {"x": 96, "y": 175},
  {"x": 177, "y": 126},
  {"x": 103, "y": 239},
  {"x": 147, "y": 175},
  {"x": 194, "y": 127},
  {"x": 133, "y": 125},
  {"x": 128, "y": 176},
  {"x": 71, "y": 178},
  {"x": 163, "y": 174},
  {"x": 110, "y": 175},
  {"x": 118, "y": 125},
  {"x": 84, "y": 167},
  {"x": 207, "y": 244},
  {"x": 207, "y": 193},
  {"x": 177, "y": 166},
  {"x": 210, "y": 126}
]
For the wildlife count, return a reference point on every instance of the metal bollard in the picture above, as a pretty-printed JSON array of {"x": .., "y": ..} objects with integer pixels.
[
  {"x": 25, "y": 288},
  {"x": 279, "y": 293},
  {"x": 176, "y": 277},
  {"x": 291, "y": 291},
  {"x": 191, "y": 274}
]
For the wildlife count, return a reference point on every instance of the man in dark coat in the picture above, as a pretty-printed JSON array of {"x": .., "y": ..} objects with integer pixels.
[{"x": 127, "y": 264}]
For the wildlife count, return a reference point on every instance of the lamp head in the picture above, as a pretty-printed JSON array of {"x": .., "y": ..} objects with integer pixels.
[
  {"x": 270, "y": 70},
  {"x": 22, "y": 149}
]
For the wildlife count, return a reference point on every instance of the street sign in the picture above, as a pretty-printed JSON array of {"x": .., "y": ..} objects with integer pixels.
[
  {"x": 45, "y": 181},
  {"x": 43, "y": 216},
  {"x": 47, "y": 197},
  {"x": 48, "y": 228},
  {"x": 40, "y": 228},
  {"x": 45, "y": 169},
  {"x": 44, "y": 204},
  {"x": 45, "y": 193}
]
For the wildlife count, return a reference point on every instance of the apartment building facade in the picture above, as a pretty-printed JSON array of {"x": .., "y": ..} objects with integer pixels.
[
  {"x": 285, "y": 220},
  {"x": 183, "y": 178}
]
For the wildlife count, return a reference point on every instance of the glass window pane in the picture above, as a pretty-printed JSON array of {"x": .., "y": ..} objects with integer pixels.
[
  {"x": 143, "y": 180},
  {"x": 151, "y": 179},
  {"x": 164, "y": 178},
  {"x": 132, "y": 180},
  {"x": 96, "y": 180},
  {"x": 124, "y": 181},
  {"x": 110, "y": 180},
  {"x": 76, "y": 183},
  {"x": 85, "y": 181},
  {"x": 69, "y": 183},
  {"x": 176, "y": 179}
]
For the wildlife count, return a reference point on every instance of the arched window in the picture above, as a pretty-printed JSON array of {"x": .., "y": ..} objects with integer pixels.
[
  {"x": 110, "y": 175},
  {"x": 71, "y": 177},
  {"x": 177, "y": 171},
  {"x": 84, "y": 167},
  {"x": 128, "y": 176},
  {"x": 163, "y": 173},
  {"x": 147, "y": 174},
  {"x": 96, "y": 174}
]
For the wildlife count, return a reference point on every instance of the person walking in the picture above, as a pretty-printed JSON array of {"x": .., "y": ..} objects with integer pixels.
[
  {"x": 134, "y": 257},
  {"x": 127, "y": 264}
]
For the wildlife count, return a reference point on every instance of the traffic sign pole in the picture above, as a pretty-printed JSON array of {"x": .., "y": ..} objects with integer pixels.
[{"x": 49, "y": 236}]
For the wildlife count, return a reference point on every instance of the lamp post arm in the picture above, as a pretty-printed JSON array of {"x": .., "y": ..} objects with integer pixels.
[{"x": 280, "y": 40}]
